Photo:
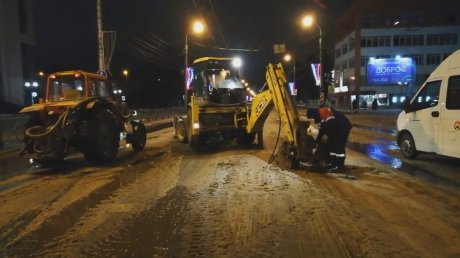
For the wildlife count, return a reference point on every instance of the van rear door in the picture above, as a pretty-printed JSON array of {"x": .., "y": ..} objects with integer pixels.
[{"x": 449, "y": 131}]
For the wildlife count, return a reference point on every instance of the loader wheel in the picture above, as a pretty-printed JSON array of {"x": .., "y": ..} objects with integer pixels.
[
  {"x": 243, "y": 138},
  {"x": 139, "y": 137},
  {"x": 180, "y": 132},
  {"x": 102, "y": 138},
  {"x": 407, "y": 146},
  {"x": 197, "y": 141}
]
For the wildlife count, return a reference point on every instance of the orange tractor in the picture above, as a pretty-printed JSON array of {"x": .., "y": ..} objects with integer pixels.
[{"x": 79, "y": 113}]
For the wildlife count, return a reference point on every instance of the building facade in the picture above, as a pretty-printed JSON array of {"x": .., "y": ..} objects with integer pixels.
[
  {"x": 424, "y": 31},
  {"x": 16, "y": 39}
]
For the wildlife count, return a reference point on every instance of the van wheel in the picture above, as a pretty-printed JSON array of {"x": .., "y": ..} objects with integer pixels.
[{"x": 407, "y": 146}]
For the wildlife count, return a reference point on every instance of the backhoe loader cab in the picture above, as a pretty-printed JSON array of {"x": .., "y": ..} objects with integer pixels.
[
  {"x": 214, "y": 93},
  {"x": 216, "y": 80},
  {"x": 79, "y": 113}
]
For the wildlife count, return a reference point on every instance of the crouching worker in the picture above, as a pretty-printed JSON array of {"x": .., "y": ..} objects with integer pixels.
[{"x": 332, "y": 136}]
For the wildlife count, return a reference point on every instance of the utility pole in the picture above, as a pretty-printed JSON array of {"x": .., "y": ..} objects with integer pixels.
[{"x": 100, "y": 38}]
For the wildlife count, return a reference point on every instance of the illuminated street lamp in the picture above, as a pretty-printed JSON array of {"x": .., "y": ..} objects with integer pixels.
[
  {"x": 288, "y": 58},
  {"x": 125, "y": 73},
  {"x": 33, "y": 93},
  {"x": 197, "y": 28},
  {"x": 308, "y": 21}
]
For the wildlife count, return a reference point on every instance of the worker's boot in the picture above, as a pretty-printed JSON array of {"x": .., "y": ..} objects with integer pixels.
[
  {"x": 340, "y": 162},
  {"x": 331, "y": 164}
]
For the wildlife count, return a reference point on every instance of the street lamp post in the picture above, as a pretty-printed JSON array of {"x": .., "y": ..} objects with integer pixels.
[
  {"x": 289, "y": 58},
  {"x": 125, "y": 73},
  {"x": 197, "y": 28},
  {"x": 308, "y": 21}
]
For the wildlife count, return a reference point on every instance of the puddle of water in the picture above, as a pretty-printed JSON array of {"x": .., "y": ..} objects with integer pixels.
[
  {"x": 377, "y": 152},
  {"x": 380, "y": 153}
]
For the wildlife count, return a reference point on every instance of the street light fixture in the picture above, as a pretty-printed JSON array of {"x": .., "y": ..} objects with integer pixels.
[
  {"x": 288, "y": 58},
  {"x": 197, "y": 28},
  {"x": 308, "y": 21},
  {"x": 125, "y": 73},
  {"x": 30, "y": 86}
]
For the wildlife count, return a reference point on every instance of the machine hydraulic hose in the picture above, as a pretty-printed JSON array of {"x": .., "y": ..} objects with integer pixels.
[{"x": 65, "y": 119}]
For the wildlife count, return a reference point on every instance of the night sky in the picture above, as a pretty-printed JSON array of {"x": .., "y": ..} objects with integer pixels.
[{"x": 151, "y": 36}]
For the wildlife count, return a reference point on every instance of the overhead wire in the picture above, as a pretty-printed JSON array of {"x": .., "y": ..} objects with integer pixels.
[
  {"x": 109, "y": 39},
  {"x": 149, "y": 46},
  {"x": 217, "y": 22},
  {"x": 230, "y": 49},
  {"x": 145, "y": 56},
  {"x": 155, "y": 50},
  {"x": 162, "y": 41}
]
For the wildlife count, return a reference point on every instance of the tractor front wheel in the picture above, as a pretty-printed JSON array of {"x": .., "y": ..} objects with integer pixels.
[{"x": 139, "y": 137}]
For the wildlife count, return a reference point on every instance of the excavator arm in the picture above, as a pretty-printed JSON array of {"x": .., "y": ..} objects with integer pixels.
[
  {"x": 274, "y": 94},
  {"x": 298, "y": 145}
]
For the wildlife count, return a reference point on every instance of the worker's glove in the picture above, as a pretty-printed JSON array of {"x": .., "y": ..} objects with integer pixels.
[
  {"x": 312, "y": 131},
  {"x": 324, "y": 139}
]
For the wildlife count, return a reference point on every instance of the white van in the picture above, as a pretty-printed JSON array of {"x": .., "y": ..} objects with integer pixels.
[{"x": 431, "y": 121}]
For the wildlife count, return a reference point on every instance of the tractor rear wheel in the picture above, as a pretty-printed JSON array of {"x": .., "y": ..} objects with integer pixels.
[{"x": 102, "y": 137}]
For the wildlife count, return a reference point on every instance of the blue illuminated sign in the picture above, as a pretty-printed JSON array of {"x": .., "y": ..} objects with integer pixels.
[{"x": 399, "y": 70}]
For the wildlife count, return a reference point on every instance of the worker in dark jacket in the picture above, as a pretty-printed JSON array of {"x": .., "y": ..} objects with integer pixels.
[{"x": 333, "y": 135}]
